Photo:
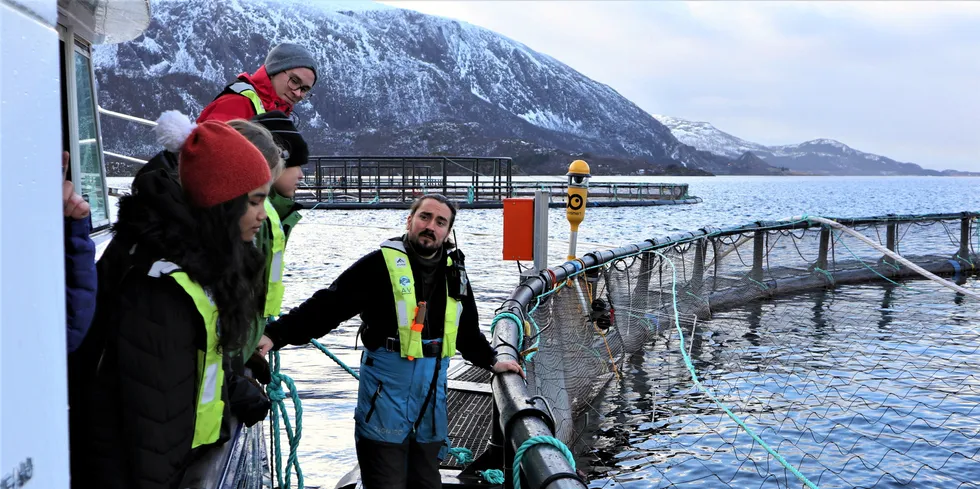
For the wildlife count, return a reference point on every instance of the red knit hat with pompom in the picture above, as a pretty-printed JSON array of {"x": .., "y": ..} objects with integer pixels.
[{"x": 216, "y": 163}]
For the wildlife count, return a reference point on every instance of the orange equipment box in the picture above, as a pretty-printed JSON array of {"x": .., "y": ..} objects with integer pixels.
[{"x": 519, "y": 228}]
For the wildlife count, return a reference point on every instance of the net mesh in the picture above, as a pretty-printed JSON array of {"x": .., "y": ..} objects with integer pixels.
[{"x": 853, "y": 373}]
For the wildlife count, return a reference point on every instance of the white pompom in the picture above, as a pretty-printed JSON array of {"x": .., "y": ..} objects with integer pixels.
[{"x": 172, "y": 130}]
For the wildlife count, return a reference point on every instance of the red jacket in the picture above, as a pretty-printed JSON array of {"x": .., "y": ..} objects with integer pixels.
[{"x": 228, "y": 106}]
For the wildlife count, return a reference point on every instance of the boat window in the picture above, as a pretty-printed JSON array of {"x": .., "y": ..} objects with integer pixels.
[{"x": 92, "y": 178}]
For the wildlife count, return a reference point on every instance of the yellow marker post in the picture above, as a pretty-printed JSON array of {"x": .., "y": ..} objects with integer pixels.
[{"x": 578, "y": 193}]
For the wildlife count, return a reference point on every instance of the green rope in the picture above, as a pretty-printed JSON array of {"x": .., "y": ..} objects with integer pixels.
[
  {"x": 830, "y": 276},
  {"x": 463, "y": 455},
  {"x": 537, "y": 339},
  {"x": 278, "y": 398},
  {"x": 536, "y": 304},
  {"x": 702, "y": 388},
  {"x": 520, "y": 324},
  {"x": 552, "y": 291},
  {"x": 762, "y": 285},
  {"x": 836, "y": 239},
  {"x": 538, "y": 440},
  {"x": 894, "y": 266},
  {"x": 697, "y": 298},
  {"x": 493, "y": 476},
  {"x": 335, "y": 359}
]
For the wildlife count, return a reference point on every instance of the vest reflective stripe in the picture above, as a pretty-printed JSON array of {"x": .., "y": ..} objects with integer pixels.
[
  {"x": 248, "y": 91},
  {"x": 403, "y": 289},
  {"x": 210, "y": 406},
  {"x": 275, "y": 290}
]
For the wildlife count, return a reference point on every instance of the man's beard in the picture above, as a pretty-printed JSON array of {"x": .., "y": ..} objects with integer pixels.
[{"x": 424, "y": 249}]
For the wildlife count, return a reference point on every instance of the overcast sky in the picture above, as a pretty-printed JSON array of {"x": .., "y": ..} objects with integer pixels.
[{"x": 900, "y": 79}]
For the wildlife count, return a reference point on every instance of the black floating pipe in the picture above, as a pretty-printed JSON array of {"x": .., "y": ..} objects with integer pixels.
[{"x": 523, "y": 417}]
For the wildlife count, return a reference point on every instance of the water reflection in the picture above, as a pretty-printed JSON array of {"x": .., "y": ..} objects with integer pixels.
[
  {"x": 753, "y": 320},
  {"x": 886, "y": 305}
]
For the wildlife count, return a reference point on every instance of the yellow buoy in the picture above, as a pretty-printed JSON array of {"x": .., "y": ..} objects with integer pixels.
[{"x": 578, "y": 193}]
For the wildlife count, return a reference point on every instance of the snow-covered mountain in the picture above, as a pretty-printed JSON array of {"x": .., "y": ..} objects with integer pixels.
[
  {"x": 819, "y": 156},
  {"x": 832, "y": 157},
  {"x": 704, "y": 136},
  {"x": 391, "y": 81}
]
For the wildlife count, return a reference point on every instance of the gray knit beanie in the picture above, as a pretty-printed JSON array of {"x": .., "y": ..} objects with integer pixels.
[{"x": 287, "y": 56}]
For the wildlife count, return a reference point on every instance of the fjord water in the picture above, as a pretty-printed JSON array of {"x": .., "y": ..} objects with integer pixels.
[{"x": 327, "y": 241}]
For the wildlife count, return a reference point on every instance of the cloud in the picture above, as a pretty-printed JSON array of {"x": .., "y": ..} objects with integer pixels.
[{"x": 901, "y": 79}]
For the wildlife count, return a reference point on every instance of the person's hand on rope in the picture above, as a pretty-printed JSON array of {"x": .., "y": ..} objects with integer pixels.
[
  {"x": 265, "y": 345},
  {"x": 73, "y": 205},
  {"x": 508, "y": 366}
]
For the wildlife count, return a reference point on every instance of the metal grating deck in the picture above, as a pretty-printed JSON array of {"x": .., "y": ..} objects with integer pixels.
[
  {"x": 470, "y": 413},
  {"x": 469, "y": 373}
]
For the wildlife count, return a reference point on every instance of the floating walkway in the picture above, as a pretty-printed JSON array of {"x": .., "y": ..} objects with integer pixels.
[{"x": 394, "y": 182}]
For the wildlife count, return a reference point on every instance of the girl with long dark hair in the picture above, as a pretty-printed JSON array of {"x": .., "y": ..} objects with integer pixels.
[{"x": 176, "y": 296}]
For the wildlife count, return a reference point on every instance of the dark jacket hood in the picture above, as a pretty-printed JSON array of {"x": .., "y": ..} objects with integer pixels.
[{"x": 157, "y": 220}]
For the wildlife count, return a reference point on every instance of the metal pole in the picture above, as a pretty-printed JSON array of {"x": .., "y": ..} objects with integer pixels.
[
  {"x": 476, "y": 180},
  {"x": 495, "y": 191},
  {"x": 824, "y": 244},
  {"x": 964, "y": 252},
  {"x": 445, "y": 178},
  {"x": 698, "y": 275},
  {"x": 540, "y": 253},
  {"x": 572, "y": 238},
  {"x": 890, "y": 237},
  {"x": 758, "y": 252},
  {"x": 318, "y": 172}
]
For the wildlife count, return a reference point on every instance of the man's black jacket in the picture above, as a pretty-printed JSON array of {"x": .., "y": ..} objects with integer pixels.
[{"x": 364, "y": 289}]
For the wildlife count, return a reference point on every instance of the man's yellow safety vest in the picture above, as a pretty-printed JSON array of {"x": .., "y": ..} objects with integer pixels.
[{"x": 403, "y": 287}]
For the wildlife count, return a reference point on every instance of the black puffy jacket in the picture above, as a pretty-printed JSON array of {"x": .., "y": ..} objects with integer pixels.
[{"x": 134, "y": 380}]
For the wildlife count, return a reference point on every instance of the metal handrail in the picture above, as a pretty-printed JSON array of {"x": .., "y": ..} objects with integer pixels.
[{"x": 127, "y": 117}]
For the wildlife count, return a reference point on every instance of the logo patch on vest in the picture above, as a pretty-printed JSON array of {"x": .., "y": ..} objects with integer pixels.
[
  {"x": 405, "y": 282},
  {"x": 400, "y": 262}
]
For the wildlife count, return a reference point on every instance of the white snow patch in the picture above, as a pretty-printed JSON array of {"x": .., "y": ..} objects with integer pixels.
[
  {"x": 550, "y": 120},
  {"x": 184, "y": 62},
  {"x": 149, "y": 44},
  {"x": 159, "y": 69},
  {"x": 105, "y": 56},
  {"x": 475, "y": 90}
]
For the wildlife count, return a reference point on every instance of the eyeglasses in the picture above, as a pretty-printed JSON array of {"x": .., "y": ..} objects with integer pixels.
[{"x": 294, "y": 83}]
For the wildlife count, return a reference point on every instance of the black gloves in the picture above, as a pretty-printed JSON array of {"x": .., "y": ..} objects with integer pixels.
[
  {"x": 260, "y": 368},
  {"x": 247, "y": 399}
]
